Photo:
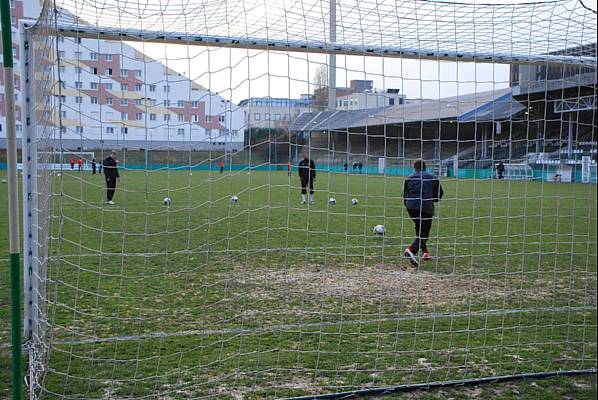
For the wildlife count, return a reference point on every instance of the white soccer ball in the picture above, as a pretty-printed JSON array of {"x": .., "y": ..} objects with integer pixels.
[
  {"x": 379, "y": 230},
  {"x": 354, "y": 201},
  {"x": 166, "y": 201},
  {"x": 332, "y": 201},
  {"x": 3, "y": 180},
  {"x": 234, "y": 199}
]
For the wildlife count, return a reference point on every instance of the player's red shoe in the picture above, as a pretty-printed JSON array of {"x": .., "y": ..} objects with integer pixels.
[{"x": 426, "y": 256}]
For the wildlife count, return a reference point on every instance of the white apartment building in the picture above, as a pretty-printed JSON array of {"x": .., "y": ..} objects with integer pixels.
[
  {"x": 369, "y": 99},
  {"x": 112, "y": 95},
  {"x": 274, "y": 112}
]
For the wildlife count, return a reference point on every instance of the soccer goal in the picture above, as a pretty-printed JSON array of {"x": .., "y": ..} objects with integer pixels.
[{"x": 248, "y": 236}]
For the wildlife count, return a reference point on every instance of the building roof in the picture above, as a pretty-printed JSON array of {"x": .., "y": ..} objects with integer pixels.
[{"x": 481, "y": 107}]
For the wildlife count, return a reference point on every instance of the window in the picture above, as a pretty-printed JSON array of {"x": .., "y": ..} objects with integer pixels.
[
  {"x": 137, "y": 102},
  {"x": 257, "y": 117},
  {"x": 181, "y": 117},
  {"x": 166, "y": 117},
  {"x": 221, "y": 132},
  {"x": 63, "y": 99},
  {"x": 79, "y": 85},
  {"x": 221, "y": 118},
  {"x": 124, "y": 86},
  {"x": 93, "y": 55},
  {"x": 93, "y": 85},
  {"x": 166, "y": 103},
  {"x": 138, "y": 116},
  {"x": 108, "y": 86},
  {"x": 277, "y": 117},
  {"x": 196, "y": 118},
  {"x": 137, "y": 87},
  {"x": 124, "y": 115},
  {"x": 79, "y": 129},
  {"x": 287, "y": 117},
  {"x": 123, "y": 73},
  {"x": 124, "y": 130},
  {"x": 152, "y": 88},
  {"x": 78, "y": 99},
  {"x": 108, "y": 71},
  {"x": 208, "y": 132},
  {"x": 391, "y": 102},
  {"x": 180, "y": 103},
  {"x": 78, "y": 70},
  {"x": 152, "y": 102},
  {"x": 195, "y": 104},
  {"x": 94, "y": 100},
  {"x": 138, "y": 73},
  {"x": 124, "y": 102},
  {"x": 109, "y": 101},
  {"x": 108, "y": 57},
  {"x": 181, "y": 131},
  {"x": 152, "y": 117},
  {"x": 267, "y": 116},
  {"x": 61, "y": 54},
  {"x": 109, "y": 129},
  {"x": 93, "y": 70},
  {"x": 234, "y": 133},
  {"x": 166, "y": 89},
  {"x": 208, "y": 118},
  {"x": 63, "y": 114}
]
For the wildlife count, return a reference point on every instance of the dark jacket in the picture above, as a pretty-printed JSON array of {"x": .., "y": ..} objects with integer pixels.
[
  {"x": 110, "y": 168},
  {"x": 421, "y": 190},
  {"x": 307, "y": 170}
]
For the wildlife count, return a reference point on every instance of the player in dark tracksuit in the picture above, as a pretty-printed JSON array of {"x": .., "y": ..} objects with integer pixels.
[
  {"x": 111, "y": 174},
  {"x": 421, "y": 190},
  {"x": 307, "y": 174}
]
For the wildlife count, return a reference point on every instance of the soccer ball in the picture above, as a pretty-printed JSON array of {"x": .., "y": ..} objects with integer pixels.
[
  {"x": 379, "y": 230},
  {"x": 354, "y": 201},
  {"x": 332, "y": 201},
  {"x": 234, "y": 199},
  {"x": 3, "y": 180},
  {"x": 166, "y": 201}
]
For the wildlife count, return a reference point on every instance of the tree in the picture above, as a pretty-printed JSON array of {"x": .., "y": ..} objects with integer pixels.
[{"x": 321, "y": 87}]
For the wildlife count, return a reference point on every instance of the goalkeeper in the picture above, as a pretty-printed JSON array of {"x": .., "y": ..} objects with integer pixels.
[
  {"x": 420, "y": 191},
  {"x": 307, "y": 175}
]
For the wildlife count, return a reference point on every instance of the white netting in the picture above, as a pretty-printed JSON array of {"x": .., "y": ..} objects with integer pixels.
[{"x": 211, "y": 277}]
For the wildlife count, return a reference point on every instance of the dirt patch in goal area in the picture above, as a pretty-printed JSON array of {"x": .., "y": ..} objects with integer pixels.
[{"x": 375, "y": 283}]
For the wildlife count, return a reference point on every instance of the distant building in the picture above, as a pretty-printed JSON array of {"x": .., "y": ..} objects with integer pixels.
[
  {"x": 113, "y": 95},
  {"x": 274, "y": 112},
  {"x": 367, "y": 100}
]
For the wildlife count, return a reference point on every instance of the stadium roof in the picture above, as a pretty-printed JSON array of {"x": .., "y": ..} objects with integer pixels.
[{"x": 488, "y": 106}]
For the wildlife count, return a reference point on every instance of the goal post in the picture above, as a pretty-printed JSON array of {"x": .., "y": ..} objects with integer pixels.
[{"x": 222, "y": 262}]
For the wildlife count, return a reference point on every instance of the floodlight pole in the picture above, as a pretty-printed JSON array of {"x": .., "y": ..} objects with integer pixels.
[
  {"x": 13, "y": 200},
  {"x": 332, "y": 59}
]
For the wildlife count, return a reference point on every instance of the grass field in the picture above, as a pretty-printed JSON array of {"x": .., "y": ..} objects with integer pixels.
[{"x": 267, "y": 298}]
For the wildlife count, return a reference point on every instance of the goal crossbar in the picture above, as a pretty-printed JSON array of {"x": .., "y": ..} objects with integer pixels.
[{"x": 304, "y": 46}]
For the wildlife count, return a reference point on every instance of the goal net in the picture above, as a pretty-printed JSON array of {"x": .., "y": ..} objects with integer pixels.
[{"x": 207, "y": 269}]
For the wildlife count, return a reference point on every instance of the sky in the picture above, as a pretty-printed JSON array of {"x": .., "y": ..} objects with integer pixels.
[{"x": 238, "y": 74}]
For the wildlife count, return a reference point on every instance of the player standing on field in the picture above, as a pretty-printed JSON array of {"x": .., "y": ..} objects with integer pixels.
[
  {"x": 420, "y": 191},
  {"x": 111, "y": 174},
  {"x": 307, "y": 174}
]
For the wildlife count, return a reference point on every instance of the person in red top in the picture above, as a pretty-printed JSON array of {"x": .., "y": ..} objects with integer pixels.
[
  {"x": 80, "y": 164},
  {"x": 289, "y": 168},
  {"x": 72, "y": 162},
  {"x": 221, "y": 166}
]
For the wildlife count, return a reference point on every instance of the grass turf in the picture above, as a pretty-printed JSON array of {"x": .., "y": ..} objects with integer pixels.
[{"x": 268, "y": 298}]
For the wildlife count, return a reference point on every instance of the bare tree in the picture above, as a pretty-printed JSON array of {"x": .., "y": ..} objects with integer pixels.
[{"x": 321, "y": 87}]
